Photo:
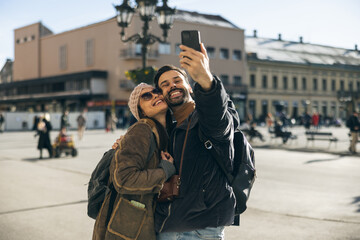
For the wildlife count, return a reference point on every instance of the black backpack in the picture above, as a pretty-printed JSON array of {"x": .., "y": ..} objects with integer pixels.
[
  {"x": 243, "y": 176},
  {"x": 99, "y": 186}
]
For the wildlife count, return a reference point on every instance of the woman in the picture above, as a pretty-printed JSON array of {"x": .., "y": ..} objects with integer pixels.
[
  {"x": 136, "y": 181},
  {"x": 43, "y": 130}
]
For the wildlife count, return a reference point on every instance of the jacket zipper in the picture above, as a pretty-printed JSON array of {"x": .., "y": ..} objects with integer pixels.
[{"x": 162, "y": 226}]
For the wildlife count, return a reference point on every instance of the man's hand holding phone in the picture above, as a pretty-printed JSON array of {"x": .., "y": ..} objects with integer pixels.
[{"x": 196, "y": 63}]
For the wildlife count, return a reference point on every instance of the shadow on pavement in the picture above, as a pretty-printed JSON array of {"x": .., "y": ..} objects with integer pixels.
[
  {"x": 324, "y": 160},
  {"x": 357, "y": 202}
]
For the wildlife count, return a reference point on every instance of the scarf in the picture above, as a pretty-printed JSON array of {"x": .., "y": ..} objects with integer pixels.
[{"x": 182, "y": 112}]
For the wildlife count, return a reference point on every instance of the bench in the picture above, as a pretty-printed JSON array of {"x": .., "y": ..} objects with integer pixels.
[{"x": 320, "y": 136}]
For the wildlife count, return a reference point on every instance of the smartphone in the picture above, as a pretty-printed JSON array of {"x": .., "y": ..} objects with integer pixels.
[{"x": 191, "y": 38}]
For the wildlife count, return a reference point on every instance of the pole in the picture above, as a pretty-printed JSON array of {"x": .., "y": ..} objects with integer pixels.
[{"x": 144, "y": 43}]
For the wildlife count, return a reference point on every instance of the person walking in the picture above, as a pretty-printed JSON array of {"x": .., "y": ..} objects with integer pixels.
[
  {"x": 43, "y": 131},
  {"x": 2, "y": 122},
  {"x": 206, "y": 202},
  {"x": 137, "y": 179},
  {"x": 353, "y": 124},
  {"x": 65, "y": 120},
  {"x": 81, "y": 121}
]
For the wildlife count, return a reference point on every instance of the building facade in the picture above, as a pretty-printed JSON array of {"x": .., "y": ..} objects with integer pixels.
[
  {"x": 85, "y": 67},
  {"x": 297, "y": 77}
]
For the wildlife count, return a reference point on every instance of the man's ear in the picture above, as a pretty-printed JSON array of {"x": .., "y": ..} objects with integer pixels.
[{"x": 190, "y": 90}]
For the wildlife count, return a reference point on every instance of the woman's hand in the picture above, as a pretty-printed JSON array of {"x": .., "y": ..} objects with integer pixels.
[
  {"x": 167, "y": 157},
  {"x": 117, "y": 143}
]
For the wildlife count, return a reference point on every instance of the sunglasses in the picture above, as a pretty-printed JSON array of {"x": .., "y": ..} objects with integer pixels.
[{"x": 147, "y": 96}]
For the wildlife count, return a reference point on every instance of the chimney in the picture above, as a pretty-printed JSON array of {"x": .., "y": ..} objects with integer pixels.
[
  {"x": 255, "y": 34},
  {"x": 356, "y": 49},
  {"x": 301, "y": 39},
  {"x": 279, "y": 38}
]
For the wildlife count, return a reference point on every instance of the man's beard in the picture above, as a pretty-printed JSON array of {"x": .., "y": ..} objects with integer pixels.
[{"x": 177, "y": 102}]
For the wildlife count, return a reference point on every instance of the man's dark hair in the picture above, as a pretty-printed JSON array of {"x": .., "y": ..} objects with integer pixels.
[{"x": 165, "y": 69}]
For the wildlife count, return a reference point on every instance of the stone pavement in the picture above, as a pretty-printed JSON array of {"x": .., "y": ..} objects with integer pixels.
[{"x": 307, "y": 194}]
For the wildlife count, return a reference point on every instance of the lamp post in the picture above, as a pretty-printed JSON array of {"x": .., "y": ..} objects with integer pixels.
[{"x": 147, "y": 10}]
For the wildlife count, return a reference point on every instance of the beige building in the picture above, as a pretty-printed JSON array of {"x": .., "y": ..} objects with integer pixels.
[
  {"x": 295, "y": 77},
  {"x": 85, "y": 67}
]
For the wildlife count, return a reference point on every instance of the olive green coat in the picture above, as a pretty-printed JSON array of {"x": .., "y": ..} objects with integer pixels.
[{"x": 133, "y": 179}]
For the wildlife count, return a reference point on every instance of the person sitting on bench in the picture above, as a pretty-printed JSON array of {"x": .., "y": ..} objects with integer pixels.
[{"x": 280, "y": 132}]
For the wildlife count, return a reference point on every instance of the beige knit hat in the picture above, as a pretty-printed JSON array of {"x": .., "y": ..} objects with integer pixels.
[{"x": 135, "y": 97}]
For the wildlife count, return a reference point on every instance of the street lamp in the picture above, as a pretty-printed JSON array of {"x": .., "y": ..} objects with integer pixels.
[{"x": 147, "y": 10}]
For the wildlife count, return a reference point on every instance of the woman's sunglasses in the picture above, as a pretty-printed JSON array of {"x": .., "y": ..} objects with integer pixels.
[{"x": 147, "y": 96}]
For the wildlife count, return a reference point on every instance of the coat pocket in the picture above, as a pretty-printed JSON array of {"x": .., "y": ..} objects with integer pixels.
[{"x": 127, "y": 220}]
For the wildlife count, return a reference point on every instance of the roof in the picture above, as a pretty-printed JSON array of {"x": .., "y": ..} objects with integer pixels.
[
  {"x": 300, "y": 53},
  {"x": 195, "y": 17}
]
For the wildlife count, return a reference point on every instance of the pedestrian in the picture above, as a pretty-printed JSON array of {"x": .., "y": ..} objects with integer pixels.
[
  {"x": 315, "y": 120},
  {"x": 307, "y": 120},
  {"x": 135, "y": 180},
  {"x": 353, "y": 124},
  {"x": 206, "y": 202},
  {"x": 43, "y": 131},
  {"x": 2, "y": 122},
  {"x": 269, "y": 120},
  {"x": 65, "y": 120},
  {"x": 81, "y": 121}
]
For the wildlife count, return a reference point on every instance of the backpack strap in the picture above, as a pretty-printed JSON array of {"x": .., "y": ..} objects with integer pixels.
[{"x": 209, "y": 146}]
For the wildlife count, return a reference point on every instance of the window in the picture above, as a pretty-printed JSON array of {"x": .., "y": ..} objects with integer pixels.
[
  {"x": 164, "y": 48},
  {"x": 358, "y": 85},
  {"x": 63, "y": 57},
  {"x": 25, "y": 39},
  {"x": 304, "y": 87},
  {"x": 342, "y": 86},
  {"x": 211, "y": 52},
  {"x": 252, "y": 81},
  {"x": 333, "y": 85},
  {"x": 295, "y": 84},
  {"x": 138, "y": 49},
  {"x": 89, "y": 52},
  {"x": 315, "y": 84},
  {"x": 225, "y": 79},
  {"x": 264, "y": 81},
  {"x": 285, "y": 83},
  {"x": 350, "y": 86},
  {"x": 236, "y": 55},
  {"x": 275, "y": 82},
  {"x": 32, "y": 37},
  {"x": 224, "y": 53},
  {"x": 177, "y": 49},
  {"x": 324, "y": 85},
  {"x": 18, "y": 41},
  {"x": 237, "y": 80}
]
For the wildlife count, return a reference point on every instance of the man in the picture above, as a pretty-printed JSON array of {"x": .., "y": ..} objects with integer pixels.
[
  {"x": 2, "y": 120},
  {"x": 206, "y": 202},
  {"x": 81, "y": 121},
  {"x": 65, "y": 120},
  {"x": 354, "y": 125}
]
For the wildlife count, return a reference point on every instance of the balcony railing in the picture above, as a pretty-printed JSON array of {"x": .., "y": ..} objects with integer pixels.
[
  {"x": 132, "y": 53},
  {"x": 348, "y": 95}
]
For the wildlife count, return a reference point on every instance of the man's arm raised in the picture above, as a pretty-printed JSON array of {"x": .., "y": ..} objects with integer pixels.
[{"x": 197, "y": 65}]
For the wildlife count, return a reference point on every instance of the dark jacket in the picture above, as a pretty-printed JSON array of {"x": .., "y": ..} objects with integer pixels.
[
  {"x": 44, "y": 135},
  {"x": 206, "y": 200},
  {"x": 134, "y": 179},
  {"x": 353, "y": 123}
]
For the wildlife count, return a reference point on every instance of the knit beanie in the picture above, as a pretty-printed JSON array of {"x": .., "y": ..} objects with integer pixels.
[{"x": 135, "y": 97}]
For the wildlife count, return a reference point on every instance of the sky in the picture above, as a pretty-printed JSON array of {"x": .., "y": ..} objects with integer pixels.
[{"x": 326, "y": 22}]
